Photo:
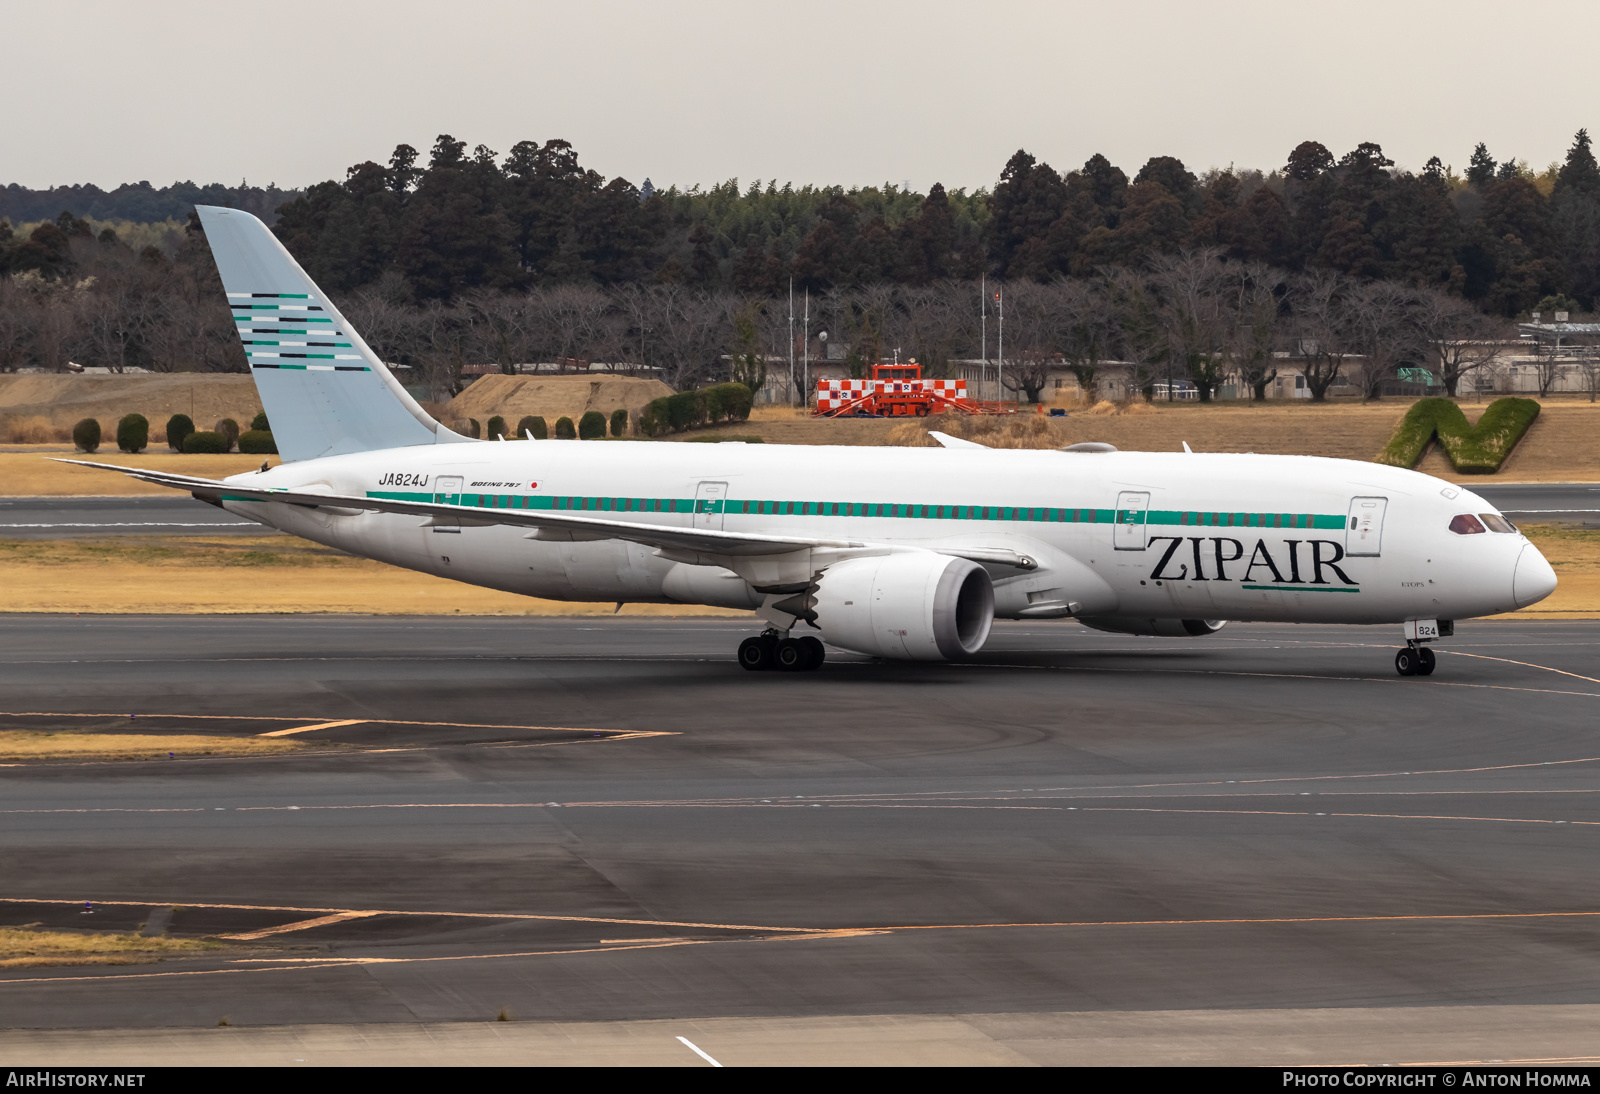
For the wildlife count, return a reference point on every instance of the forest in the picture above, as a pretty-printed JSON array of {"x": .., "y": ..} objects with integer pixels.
[{"x": 470, "y": 257}]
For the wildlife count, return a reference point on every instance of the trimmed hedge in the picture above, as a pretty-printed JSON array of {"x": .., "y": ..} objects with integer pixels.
[
  {"x": 179, "y": 426},
  {"x": 259, "y": 423},
  {"x": 258, "y": 442},
  {"x": 496, "y": 428},
  {"x": 591, "y": 426},
  {"x": 565, "y": 430},
  {"x": 1473, "y": 450},
  {"x": 205, "y": 441},
  {"x": 619, "y": 423},
  {"x": 133, "y": 433},
  {"x": 86, "y": 435},
  {"x": 688, "y": 409},
  {"x": 533, "y": 424}
]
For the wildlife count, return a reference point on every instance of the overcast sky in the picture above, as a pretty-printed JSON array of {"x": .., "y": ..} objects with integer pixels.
[{"x": 863, "y": 92}]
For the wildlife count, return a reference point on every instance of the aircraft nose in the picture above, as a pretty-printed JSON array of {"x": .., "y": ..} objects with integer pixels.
[{"x": 1534, "y": 578}]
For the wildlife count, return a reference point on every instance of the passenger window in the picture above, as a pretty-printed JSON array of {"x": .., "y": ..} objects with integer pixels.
[
  {"x": 1466, "y": 525},
  {"x": 1496, "y": 522}
]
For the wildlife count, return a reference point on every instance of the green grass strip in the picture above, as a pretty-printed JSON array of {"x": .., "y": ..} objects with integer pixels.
[{"x": 1472, "y": 450}]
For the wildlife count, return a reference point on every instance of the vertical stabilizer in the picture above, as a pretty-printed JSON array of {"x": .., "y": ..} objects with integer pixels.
[{"x": 325, "y": 392}]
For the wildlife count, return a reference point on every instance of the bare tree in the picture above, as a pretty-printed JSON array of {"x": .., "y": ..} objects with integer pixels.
[
  {"x": 1318, "y": 321},
  {"x": 1084, "y": 330},
  {"x": 1378, "y": 321},
  {"x": 1257, "y": 327},
  {"x": 1461, "y": 340},
  {"x": 1194, "y": 313}
]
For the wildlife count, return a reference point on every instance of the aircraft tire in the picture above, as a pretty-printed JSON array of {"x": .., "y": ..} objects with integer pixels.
[
  {"x": 755, "y": 654},
  {"x": 1406, "y": 662},
  {"x": 791, "y": 655},
  {"x": 1426, "y": 660},
  {"x": 815, "y": 654}
]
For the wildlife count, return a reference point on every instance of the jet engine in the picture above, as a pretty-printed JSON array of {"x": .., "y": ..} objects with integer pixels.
[
  {"x": 910, "y": 605},
  {"x": 1163, "y": 628}
]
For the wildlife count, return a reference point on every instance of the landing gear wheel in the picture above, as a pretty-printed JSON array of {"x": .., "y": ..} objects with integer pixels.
[
  {"x": 1425, "y": 661},
  {"x": 791, "y": 655},
  {"x": 1406, "y": 662},
  {"x": 755, "y": 654},
  {"x": 814, "y": 652}
]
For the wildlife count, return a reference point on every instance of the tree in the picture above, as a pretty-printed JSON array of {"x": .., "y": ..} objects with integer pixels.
[
  {"x": 1460, "y": 340},
  {"x": 1480, "y": 169},
  {"x": 1028, "y": 199},
  {"x": 1380, "y": 331},
  {"x": 1308, "y": 161},
  {"x": 749, "y": 363},
  {"x": 1318, "y": 321}
]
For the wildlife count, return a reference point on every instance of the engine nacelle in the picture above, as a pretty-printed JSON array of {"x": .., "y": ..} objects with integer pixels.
[
  {"x": 1161, "y": 628},
  {"x": 910, "y": 605}
]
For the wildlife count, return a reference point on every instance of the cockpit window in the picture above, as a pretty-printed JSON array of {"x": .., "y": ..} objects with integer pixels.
[
  {"x": 1466, "y": 525},
  {"x": 1496, "y": 522}
]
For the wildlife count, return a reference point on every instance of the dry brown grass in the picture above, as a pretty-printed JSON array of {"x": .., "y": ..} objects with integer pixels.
[
  {"x": 21, "y": 947},
  {"x": 24, "y": 744},
  {"x": 1574, "y": 553},
  {"x": 36, "y": 430},
  {"x": 225, "y": 574},
  {"x": 29, "y": 471}
]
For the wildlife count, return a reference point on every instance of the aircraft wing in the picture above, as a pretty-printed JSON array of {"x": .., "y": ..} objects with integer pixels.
[{"x": 704, "y": 540}]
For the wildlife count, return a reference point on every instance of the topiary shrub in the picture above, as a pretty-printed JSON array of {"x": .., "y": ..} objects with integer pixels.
[
  {"x": 259, "y": 423},
  {"x": 619, "y": 423},
  {"x": 686, "y": 410},
  {"x": 713, "y": 400},
  {"x": 496, "y": 428},
  {"x": 133, "y": 433},
  {"x": 1473, "y": 450},
  {"x": 205, "y": 442},
  {"x": 534, "y": 425},
  {"x": 592, "y": 425},
  {"x": 474, "y": 429},
  {"x": 565, "y": 430},
  {"x": 86, "y": 435},
  {"x": 179, "y": 426},
  {"x": 258, "y": 442},
  {"x": 655, "y": 421},
  {"x": 229, "y": 429},
  {"x": 736, "y": 402}
]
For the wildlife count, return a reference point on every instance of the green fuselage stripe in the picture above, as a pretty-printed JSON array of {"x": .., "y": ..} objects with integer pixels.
[
  {"x": 892, "y": 510},
  {"x": 1301, "y": 588}
]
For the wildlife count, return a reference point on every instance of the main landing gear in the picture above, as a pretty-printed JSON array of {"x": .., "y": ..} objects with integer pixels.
[
  {"x": 773, "y": 651},
  {"x": 1414, "y": 660}
]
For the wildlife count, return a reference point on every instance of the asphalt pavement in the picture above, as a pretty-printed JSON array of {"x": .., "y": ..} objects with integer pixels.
[
  {"x": 66, "y": 518},
  {"x": 607, "y": 821}
]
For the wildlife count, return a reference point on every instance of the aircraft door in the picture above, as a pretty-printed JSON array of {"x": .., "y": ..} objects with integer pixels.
[
  {"x": 1363, "y": 532},
  {"x": 1130, "y": 534},
  {"x": 708, "y": 499},
  {"x": 446, "y": 491}
]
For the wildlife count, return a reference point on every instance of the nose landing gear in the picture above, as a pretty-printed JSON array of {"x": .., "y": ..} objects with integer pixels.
[
  {"x": 1415, "y": 660},
  {"x": 773, "y": 651}
]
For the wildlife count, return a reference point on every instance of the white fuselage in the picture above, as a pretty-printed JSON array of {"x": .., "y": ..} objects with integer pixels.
[{"x": 1239, "y": 537}]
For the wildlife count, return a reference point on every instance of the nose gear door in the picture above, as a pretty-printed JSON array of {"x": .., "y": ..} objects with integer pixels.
[
  {"x": 1363, "y": 531},
  {"x": 1131, "y": 534}
]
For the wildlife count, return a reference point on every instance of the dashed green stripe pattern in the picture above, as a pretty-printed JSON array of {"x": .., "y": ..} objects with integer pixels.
[{"x": 891, "y": 510}]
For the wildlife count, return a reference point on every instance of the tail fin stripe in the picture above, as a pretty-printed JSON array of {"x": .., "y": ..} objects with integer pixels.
[{"x": 312, "y": 414}]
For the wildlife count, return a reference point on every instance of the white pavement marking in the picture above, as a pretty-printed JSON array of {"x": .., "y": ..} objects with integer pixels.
[{"x": 700, "y": 1052}]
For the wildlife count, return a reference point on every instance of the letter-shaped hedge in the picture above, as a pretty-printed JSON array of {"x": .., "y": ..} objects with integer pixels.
[{"x": 1473, "y": 450}]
